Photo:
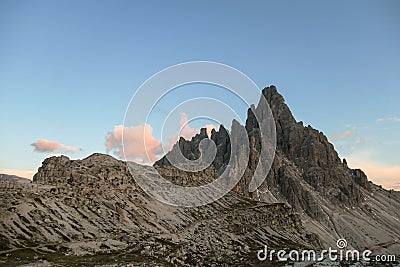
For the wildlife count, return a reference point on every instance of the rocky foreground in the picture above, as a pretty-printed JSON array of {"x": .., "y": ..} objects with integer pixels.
[
  {"x": 90, "y": 212},
  {"x": 80, "y": 211}
]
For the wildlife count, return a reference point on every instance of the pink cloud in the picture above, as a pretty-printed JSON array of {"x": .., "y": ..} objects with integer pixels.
[
  {"x": 209, "y": 128},
  {"x": 140, "y": 144},
  {"x": 186, "y": 131},
  {"x": 344, "y": 135},
  {"x": 43, "y": 145}
]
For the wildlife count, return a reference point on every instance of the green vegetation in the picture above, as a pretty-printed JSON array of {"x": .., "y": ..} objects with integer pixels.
[{"x": 28, "y": 255}]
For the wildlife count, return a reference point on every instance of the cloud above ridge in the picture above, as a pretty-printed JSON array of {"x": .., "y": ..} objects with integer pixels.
[
  {"x": 187, "y": 132},
  {"x": 140, "y": 144},
  {"x": 151, "y": 150},
  {"x": 44, "y": 146},
  {"x": 343, "y": 135}
]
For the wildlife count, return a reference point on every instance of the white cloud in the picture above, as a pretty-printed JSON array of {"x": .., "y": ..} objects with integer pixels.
[{"x": 392, "y": 119}]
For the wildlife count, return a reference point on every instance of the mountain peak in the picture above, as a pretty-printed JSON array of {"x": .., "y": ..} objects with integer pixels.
[
  {"x": 302, "y": 152},
  {"x": 270, "y": 90},
  {"x": 277, "y": 104}
]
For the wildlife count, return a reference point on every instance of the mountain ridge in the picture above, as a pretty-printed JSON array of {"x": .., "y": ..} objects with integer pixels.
[
  {"x": 13, "y": 178},
  {"x": 306, "y": 174},
  {"x": 307, "y": 148},
  {"x": 77, "y": 212}
]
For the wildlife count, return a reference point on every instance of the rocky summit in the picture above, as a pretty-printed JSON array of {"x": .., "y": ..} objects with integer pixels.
[
  {"x": 333, "y": 200},
  {"x": 91, "y": 212}
]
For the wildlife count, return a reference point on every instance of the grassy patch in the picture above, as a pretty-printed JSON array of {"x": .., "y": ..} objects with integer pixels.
[{"x": 27, "y": 255}]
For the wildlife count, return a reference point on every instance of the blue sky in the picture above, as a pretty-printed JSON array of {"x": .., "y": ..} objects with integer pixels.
[{"x": 69, "y": 68}]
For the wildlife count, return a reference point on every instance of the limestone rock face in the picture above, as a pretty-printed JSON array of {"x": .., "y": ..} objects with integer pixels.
[
  {"x": 303, "y": 155},
  {"x": 95, "y": 168},
  {"x": 360, "y": 178},
  {"x": 315, "y": 157},
  {"x": 222, "y": 141},
  {"x": 189, "y": 149},
  {"x": 53, "y": 167}
]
